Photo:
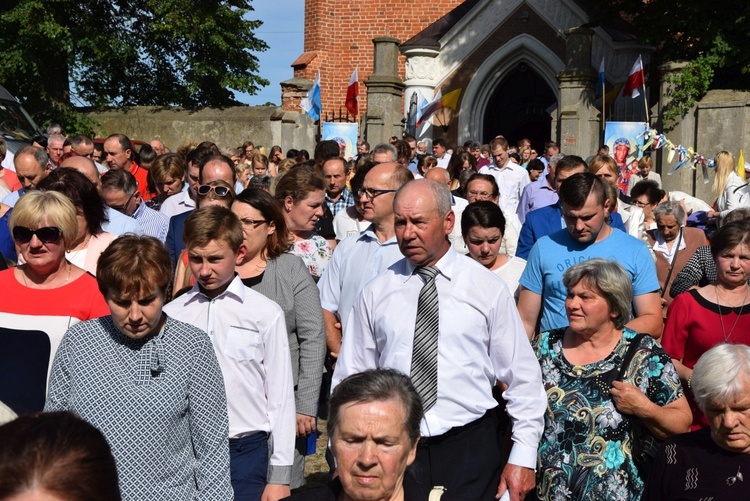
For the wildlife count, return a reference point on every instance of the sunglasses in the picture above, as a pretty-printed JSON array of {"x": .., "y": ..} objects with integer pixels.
[
  {"x": 46, "y": 235},
  {"x": 221, "y": 191}
]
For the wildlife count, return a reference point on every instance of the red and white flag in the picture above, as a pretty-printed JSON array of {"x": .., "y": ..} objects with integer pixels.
[
  {"x": 636, "y": 80},
  {"x": 351, "y": 94}
]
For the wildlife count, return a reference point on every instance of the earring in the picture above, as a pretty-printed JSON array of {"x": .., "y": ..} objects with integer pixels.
[{"x": 288, "y": 209}]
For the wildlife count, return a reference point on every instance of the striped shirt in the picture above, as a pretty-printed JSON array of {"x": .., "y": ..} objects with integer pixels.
[{"x": 154, "y": 224}]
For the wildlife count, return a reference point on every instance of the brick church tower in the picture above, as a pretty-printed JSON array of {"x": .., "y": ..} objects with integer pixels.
[{"x": 338, "y": 38}]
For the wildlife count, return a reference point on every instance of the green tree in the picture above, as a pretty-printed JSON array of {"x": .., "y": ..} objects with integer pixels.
[
  {"x": 127, "y": 52},
  {"x": 713, "y": 37}
]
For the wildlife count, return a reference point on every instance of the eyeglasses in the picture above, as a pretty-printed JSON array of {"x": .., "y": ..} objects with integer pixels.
[
  {"x": 124, "y": 208},
  {"x": 46, "y": 235},
  {"x": 221, "y": 191},
  {"x": 479, "y": 193},
  {"x": 640, "y": 204},
  {"x": 371, "y": 193},
  {"x": 253, "y": 222}
]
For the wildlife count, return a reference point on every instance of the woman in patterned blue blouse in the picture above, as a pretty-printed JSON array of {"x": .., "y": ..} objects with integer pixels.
[
  {"x": 150, "y": 383},
  {"x": 586, "y": 450}
]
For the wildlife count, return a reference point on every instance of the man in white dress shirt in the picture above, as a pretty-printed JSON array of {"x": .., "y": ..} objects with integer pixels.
[
  {"x": 511, "y": 178},
  {"x": 440, "y": 152},
  {"x": 360, "y": 258},
  {"x": 480, "y": 341}
]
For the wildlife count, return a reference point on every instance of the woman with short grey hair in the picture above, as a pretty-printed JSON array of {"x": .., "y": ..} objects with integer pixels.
[
  {"x": 672, "y": 245},
  {"x": 670, "y": 208},
  {"x": 373, "y": 425},
  {"x": 708, "y": 463},
  {"x": 608, "y": 388},
  {"x": 614, "y": 286},
  {"x": 721, "y": 375}
]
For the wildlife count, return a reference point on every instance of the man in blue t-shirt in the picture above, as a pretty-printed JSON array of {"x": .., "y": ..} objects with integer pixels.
[{"x": 586, "y": 208}]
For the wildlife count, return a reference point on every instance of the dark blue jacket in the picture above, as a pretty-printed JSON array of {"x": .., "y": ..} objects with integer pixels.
[{"x": 546, "y": 220}]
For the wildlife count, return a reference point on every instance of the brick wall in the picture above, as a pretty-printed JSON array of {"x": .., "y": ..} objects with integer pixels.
[{"x": 340, "y": 32}]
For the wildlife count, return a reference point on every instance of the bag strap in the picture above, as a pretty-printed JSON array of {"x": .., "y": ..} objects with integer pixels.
[
  {"x": 436, "y": 493},
  {"x": 671, "y": 266},
  {"x": 632, "y": 348}
]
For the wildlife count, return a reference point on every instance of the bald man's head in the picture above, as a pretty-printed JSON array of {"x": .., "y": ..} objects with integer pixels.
[
  {"x": 439, "y": 175},
  {"x": 86, "y": 167},
  {"x": 158, "y": 147}
]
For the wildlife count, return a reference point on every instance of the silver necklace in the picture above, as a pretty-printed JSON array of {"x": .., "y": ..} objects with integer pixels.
[{"x": 721, "y": 317}]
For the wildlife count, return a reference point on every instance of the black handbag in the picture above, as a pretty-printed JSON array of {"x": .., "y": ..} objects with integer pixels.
[{"x": 644, "y": 445}]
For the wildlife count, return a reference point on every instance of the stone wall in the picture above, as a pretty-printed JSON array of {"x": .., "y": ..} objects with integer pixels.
[
  {"x": 720, "y": 121},
  {"x": 230, "y": 127}
]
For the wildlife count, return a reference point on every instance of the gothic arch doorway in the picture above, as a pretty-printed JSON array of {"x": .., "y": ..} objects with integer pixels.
[{"x": 518, "y": 107}]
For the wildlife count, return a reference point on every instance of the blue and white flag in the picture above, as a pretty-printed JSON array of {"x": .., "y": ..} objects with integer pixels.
[
  {"x": 600, "y": 83},
  {"x": 311, "y": 102}
]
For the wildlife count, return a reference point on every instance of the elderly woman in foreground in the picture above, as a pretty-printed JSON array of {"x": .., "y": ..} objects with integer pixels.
[
  {"x": 598, "y": 401},
  {"x": 374, "y": 428},
  {"x": 707, "y": 464},
  {"x": 150, "y": 383}
]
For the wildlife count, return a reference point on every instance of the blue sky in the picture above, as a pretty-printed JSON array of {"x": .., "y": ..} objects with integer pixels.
[{"x": 283, "y": 31}]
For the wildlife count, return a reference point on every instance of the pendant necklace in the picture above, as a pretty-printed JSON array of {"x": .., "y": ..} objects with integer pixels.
[{"x": 721, "y": 317}]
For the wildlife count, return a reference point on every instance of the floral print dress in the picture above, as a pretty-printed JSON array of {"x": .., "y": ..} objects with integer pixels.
[
  {"x": 585, "y": 451},
  {"x": 315, "y": 252}
]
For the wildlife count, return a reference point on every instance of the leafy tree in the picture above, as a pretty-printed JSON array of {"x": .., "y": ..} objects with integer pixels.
[
  {"x": 713, "y": 37},
  {"x": 127, "y": 52}
]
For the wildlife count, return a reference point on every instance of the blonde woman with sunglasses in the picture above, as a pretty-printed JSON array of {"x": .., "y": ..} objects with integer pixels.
[{"x": 41, "y": 298}]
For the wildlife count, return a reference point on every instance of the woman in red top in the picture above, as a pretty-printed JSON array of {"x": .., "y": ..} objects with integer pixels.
[
  {"x": 702, "y": 318},
  {"x": 41, "y": 298}
]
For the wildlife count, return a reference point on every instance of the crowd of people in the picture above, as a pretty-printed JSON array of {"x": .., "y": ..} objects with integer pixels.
[{"x": 477, "y": 323}]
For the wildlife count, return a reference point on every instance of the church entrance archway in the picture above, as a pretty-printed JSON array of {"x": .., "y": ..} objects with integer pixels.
[{"x": 519, "y": 106}]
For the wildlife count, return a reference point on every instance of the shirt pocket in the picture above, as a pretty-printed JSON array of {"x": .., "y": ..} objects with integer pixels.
[
  {"x": 243, "y": 343},
  {"x": 468, "y": 339}
]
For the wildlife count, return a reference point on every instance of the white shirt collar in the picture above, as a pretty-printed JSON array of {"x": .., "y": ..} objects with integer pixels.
[
  {"x": 660, "y": 245},
  {"x": 445, "y": 265},
  {"x": 235, "y": 290}
]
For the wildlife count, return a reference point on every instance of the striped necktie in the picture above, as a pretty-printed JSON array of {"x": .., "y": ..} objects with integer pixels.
[{"x": 424, "y": 358}]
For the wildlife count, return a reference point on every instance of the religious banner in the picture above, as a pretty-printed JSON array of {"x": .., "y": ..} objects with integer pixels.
[
  {"x": 343, "y": 133},
  {"x": 625, "y": 147}
]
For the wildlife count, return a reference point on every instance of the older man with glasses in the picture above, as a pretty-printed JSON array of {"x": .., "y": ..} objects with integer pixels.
[
  {"x": 210, "y": 167},
  {"x": 120, "y": 192},
  {"x": 359, "y": 258}
]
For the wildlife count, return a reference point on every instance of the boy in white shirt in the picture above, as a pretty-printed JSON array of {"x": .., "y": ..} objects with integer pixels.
[{"x": 249, "y": 336}]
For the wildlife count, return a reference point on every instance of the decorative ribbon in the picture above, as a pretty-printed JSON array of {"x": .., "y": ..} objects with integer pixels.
[{"x": 655, "y": 140}]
